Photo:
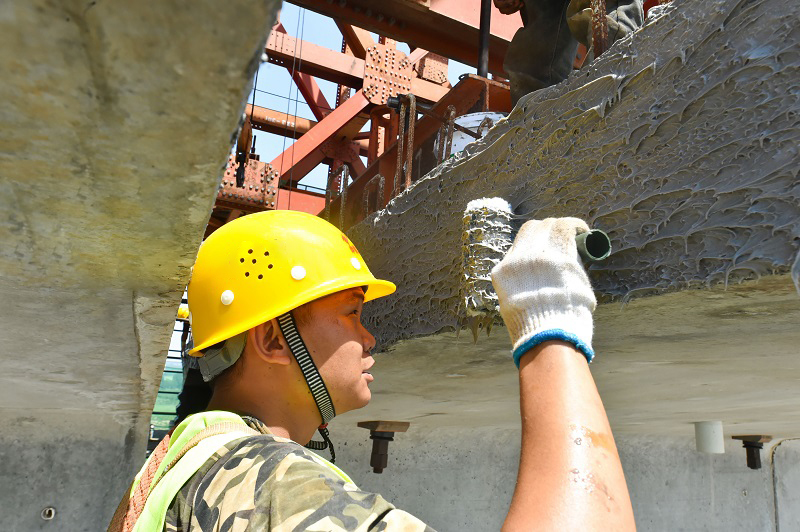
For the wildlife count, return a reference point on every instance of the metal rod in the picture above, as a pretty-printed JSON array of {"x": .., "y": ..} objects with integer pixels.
[
  {"x": 412, "y": 122},
  {"x": 442, "y": 137},
  {"x": 483, "y": 42},
  {"x": 451, "y": 118},
  {"x": 365, "y": 202},
  {"x": 599, "y": 28},
  {"x": 426, "y": 109},
  {"x": 400, "y": 134},
  {"x": 444, "y": 120},
  {"x": 343, "y": 202},
  {"x": 328, "y": 197}
]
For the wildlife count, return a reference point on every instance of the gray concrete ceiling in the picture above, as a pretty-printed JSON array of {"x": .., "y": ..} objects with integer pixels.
[
  {"x": 681, "y": 142},
  {"x": 662, "y": 363}
]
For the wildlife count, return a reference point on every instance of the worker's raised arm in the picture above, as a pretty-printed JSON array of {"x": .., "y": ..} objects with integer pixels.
[{"x": 570, "y": 476}]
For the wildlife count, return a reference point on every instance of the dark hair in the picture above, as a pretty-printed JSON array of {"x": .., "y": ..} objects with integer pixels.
[
  {"x": 194, "y": 397},
  {"x": 196, "y": 393}
]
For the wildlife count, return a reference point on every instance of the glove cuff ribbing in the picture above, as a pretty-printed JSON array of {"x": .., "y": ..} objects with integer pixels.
[{"x": 552, "y": 334}]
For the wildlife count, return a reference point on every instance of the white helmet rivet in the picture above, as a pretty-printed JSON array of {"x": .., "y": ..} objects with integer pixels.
[
  {"x": 227, "y": 297},
  {"x": 356, "y": 263},
  {"x": 298, "y": 273}
]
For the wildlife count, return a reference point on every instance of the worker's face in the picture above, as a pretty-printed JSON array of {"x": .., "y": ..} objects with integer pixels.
[{"x": 340, "y": 346}]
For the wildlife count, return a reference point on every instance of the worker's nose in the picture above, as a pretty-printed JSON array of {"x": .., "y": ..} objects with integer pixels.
[{"x": 369, "y": 340}]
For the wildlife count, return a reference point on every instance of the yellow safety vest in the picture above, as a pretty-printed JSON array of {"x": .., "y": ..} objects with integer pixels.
[{"x": 165, "y": 486}]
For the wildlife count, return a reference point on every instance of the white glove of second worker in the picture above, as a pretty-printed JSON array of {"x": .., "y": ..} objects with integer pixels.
[{"x": 543, "y": 290}]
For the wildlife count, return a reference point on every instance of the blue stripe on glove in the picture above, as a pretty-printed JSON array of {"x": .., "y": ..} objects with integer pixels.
[{"x": 553, "y": 334}]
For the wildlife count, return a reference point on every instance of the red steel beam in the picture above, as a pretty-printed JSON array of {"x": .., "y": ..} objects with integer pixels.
[
  {"x": 463, "y": 97},
  {"x": 315, "y": 60},
  {"x": 309, "y": 88},
  {"x": 445, "y": 27},
  {"x": 280, "y": 123},
  {"x": 363, "y": 146},
  {"x": 301, "y": 200},
  {"x": 304, "y": 154},
  {"x": 277, "y": 122},
  {"x": 357, "y": 39},
  {"x": 415, "y": 56},
  {"x": 312, "y": 94},
  {"x": 426, "y": 90},
  {"x": 334, "y": 66}
]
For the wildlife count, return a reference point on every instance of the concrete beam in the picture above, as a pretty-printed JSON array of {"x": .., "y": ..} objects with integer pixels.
[
  {"x": 462, "y": 478},
  {"x": 109, "y": 162}
]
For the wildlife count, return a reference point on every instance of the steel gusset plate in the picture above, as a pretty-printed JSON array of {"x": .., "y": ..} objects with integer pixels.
[
  {"x": 259, "y": 188},
  {"x": 387, "y": 72}
]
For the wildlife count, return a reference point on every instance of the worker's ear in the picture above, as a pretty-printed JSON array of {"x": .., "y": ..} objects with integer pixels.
[{"x": 268, "y": 343}]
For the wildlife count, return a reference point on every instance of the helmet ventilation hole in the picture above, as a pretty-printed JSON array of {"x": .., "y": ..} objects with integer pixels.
[
  {"x": 247, "y": 274},
  {"x": 250, "y": 251},
  {"x": 270, "y": 266},
  {"x": 254, "y": 261},
  {"x": 241, "y": 260},
  {"x": 266, "y": 253},
  {"x": 260, "y": 276}
]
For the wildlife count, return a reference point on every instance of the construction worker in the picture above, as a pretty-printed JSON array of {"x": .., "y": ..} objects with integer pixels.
[
  {"x": 276, "y": 301},
  {"x": 543, "y": 50}
]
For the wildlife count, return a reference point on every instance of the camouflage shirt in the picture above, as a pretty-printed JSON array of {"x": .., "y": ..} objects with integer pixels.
[{"x": 266, "y": 482}]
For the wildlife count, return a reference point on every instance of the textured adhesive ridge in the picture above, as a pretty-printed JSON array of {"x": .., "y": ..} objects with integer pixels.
[
  {"x": 486, "y": 238},
  {"x": 680, "y": 142}
]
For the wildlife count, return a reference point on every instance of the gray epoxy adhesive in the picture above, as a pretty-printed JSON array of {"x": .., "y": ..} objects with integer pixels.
[{"x": 681, "y": 142}]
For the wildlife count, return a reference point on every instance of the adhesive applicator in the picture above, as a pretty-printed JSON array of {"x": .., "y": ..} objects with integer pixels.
[{"x": 487, "y": 236}]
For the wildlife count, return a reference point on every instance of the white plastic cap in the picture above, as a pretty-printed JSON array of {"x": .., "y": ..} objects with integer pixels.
[
  {"x": 227, "y": 297},
  {"x": 298, "y": 273}
]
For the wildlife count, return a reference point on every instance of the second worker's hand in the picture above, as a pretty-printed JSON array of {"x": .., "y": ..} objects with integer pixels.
[{"x": 508, "y": 7}]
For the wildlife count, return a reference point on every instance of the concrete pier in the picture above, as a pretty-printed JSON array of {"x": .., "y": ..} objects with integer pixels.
[{"x": 115, "y": 124}]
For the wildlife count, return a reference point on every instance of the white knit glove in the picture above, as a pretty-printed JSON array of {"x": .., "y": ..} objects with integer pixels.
[{"x": 543, "y": 290}]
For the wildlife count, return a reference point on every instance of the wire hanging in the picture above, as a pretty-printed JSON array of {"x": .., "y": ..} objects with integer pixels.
[
  {"x": 294, "y": 129},
  {"x": 295, "y": 54}
]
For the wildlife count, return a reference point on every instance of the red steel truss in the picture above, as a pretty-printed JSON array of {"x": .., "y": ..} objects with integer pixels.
[
  {"x": 398, "y": 151},
  {"x": 377, "y": 71}
]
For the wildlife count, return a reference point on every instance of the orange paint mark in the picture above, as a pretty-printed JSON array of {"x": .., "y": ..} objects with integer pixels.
[{"x": 351, "y": 246}]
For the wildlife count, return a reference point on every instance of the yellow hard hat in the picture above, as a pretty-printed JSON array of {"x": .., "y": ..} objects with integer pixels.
[{"x": 263, "y": 265}]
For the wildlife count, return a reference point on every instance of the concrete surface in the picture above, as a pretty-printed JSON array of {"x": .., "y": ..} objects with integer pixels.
[
  {"x": 463, "y": 478},
  {"x": 681, "y": 142},
  {"x": 115, "y": 122},
  {"x": 786, "y": 460},
  {"x": 662, "y": 363}
]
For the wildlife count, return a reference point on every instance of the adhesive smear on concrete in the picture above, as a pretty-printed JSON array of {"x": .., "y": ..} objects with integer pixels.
[{"x": 681, "y": 142}]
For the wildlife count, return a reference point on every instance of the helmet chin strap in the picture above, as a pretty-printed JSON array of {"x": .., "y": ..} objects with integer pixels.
[{"x": 313, "y": 379}]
